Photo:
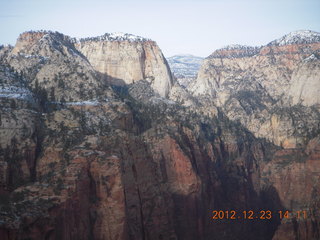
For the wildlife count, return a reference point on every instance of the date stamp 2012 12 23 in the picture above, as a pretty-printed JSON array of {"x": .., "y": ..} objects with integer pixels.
[{"x": 259, "y": 215}]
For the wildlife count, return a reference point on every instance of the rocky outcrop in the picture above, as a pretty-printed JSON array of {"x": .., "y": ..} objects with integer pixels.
[
  {"x": 305, "y": 81},
  {"x": 295, "y": 175},
  {"x": 125, "y": 59},
  {"x": 235, "y": 51},
  {"x": 52, "y": 66},
  {"x": 252, "y": 85},
  {"x": 269, "y": 68},
  {"x": 273, "y": 91}
]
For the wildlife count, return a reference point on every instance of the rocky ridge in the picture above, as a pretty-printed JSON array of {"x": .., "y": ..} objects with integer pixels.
[
  {"x": 252, "y": 88},
  {"x": 234, "y": 51},
  {"x": 273, "y": 91},
  {"x": 297, "y": 37},
  {"x": 50, "y": 63}
]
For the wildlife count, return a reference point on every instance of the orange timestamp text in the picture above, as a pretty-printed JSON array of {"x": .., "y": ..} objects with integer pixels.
[{"x": 259, "y": 215}]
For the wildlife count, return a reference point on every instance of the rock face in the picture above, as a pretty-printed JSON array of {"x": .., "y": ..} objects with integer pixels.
[
  {"x": 125, "y": 58},
  {"x": 90, "y": 161},
  {"x": 268, "y": 67},
  {"x": 49, "y": 61},
  {"x": 273, "y": 90},
  {"x": 257, "y": 86},
  {"x": 295, "y": 176},
  {"x": 305, "y": 82}
]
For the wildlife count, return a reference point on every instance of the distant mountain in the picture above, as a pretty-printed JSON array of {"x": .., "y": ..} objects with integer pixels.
[{"x": 185, "y": 65}]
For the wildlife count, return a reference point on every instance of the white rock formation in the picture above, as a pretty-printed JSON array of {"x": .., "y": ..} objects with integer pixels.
[
  {"x": 305, "y": 82},
  {"x": 127, "y": 58}
]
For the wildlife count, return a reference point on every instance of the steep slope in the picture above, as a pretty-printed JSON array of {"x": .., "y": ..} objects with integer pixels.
[
  {"x": 18, "y": 124},
  {"x": 49, "y": 60},
  {"x": 256, "y": 85},
  {"x": 273, "y": 91},
  {"x": 294, "y": 174},
  {"x": 305, "y": 81},
  {"x": 125, "y": 59}
]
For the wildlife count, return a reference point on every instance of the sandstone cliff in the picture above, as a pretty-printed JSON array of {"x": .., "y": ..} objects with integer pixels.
[
  {"x": 268, "y": 67},
  {"x": 125, "y": 58},
  {"x": 257, "y": 86},
  {"x": 273, "y": 91},
  {"x": 305, "y": 82}
]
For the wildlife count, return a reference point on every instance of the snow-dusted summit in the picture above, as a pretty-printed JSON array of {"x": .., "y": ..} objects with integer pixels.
[
  {"x": 297, "y": 37},
  {"x": 117, "y": 36},
  {"x": 124, "y": 58}
]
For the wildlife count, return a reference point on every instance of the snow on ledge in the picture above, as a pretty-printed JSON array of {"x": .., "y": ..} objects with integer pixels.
[
  {"x": 84, "y": 103},
  {"x": 15, "y": 92},
  {"x": 93, "y": 102},
  {"x": 117, "y": 36}
]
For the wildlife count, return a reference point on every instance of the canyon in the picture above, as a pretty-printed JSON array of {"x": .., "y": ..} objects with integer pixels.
[{"x": 98, "y": 140}]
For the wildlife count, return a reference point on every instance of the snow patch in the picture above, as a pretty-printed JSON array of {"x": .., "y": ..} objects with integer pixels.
[
  {"x": 82, "y": 103},
  {"x": 15, "y": 92},
  {"x": 92, "y": 102},
  {"x": 33, "y": 56},
  {"x": 157, "y": 100},
  {"x": 311, "y": 58}
]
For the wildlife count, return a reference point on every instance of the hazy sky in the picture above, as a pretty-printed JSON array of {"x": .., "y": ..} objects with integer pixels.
[{"x": 179, "y": 26}]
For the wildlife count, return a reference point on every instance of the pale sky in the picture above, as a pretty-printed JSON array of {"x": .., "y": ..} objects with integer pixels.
[{"x": 196, "y": 27}]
